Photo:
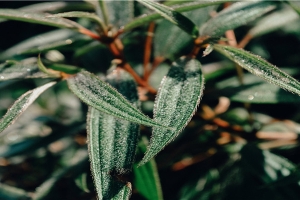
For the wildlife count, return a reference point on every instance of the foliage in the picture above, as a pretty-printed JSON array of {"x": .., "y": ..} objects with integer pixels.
[{"x": 92, "y": 91}]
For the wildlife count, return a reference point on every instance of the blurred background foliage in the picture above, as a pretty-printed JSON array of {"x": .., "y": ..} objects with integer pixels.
[{"x": 242, "y": 142}]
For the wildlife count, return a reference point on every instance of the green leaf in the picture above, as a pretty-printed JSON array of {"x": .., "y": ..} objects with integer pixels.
[
  {"x": 146, "y": 177},
  {"x": 21, "y": 105},
  {"x": 254, "y": 90},
  {"x": 75, "y": 166},
  {"x": 173, "y": 16},
  {"x": 236, "y": 15},
  {"x": 56, "y": 39},
  {"x": 118, "y": 14},
  {"x": 13, "y": 193},
  {"x": 39, "y": 18},
  {"x": 19, "y": 70},
  {"x": 295, "y": 5},
  {"x": 112, "y": 142},
  {"x": 171, "y": 45},
  {"x": 100, "y": 95},
  {"x": 69, "y": 69},
  {"x": 176, "y": 102},
  {"x": 183, "y": 7},
  {"x": 79, "y": 14},
  {"x": 261, "y": 68},
  {"x": 81, "y": 182},
  {"x": 273, "y": 22}
]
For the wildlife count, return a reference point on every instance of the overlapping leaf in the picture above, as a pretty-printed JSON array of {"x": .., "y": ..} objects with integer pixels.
[
  {"x": 182, "y": 7},
  {"x": 273, "y": 21},
  {"x": 236, "y": 15},
  {"x": 100, "y": 95},
  {"x": 176, "y": 102},
  {"x": 21, "y": 105},
  {"x": 19, "y": 70},
  {"x": 173, "y": 16},
  {"x": 39, "y": 18},
  {"x": 260, "y": 68},
  {"x": 112, "y": 142},
  {"x": 146, "y": 178}
]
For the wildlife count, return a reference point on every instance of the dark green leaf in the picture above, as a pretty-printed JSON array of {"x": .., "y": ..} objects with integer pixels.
[
  {"x": 273, "y": 22},
  {"x": 236, "y": 15},
  {"x": 39, "y": 18},
  {"x": 170, "y": 45},
  {"x": 69, "y": 69},
  {"x": 173, "y": 16},
  {"x": 254, "y": 90},
  {"x": 176, "y": 102},
  {"x": 260, "y": 68},
  {"x": 75, "y": 166},
  {"x": 100, "y": 95},
  {"x": 146, "y": 178},
  {"x": 183, "y": 7},
  {"x": 21, "y": 105},
  {"x": 81, "y": 182},
  {"x": 118, "y": 14},
  {"x": 112, "y": 142}
]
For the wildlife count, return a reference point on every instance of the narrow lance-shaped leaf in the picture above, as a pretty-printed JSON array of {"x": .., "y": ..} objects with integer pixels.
[
  {"x": 261, "y": 68},
  {"x": 21, "y": 105},
  {"x": 183, "y": 7},
  {"x": 273, "y": 21},
  {"x": 79, "y": 14},
  {"x": 176, "y": 102},
  {"x": 236, "y": 15},
  {"x": 19, "y": 70},
  {"x": 112, "y": 142},
  {"x": 173, "y": 16},
  {"x": 100, "y": 95},
  {"x": 146, "y": 177},
  {"x": 39, "y": 18}
]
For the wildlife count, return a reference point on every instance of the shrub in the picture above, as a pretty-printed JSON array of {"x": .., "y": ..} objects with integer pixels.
[{"x": 134, "y": 68}]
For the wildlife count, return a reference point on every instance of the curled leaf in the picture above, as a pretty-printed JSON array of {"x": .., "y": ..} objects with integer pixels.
[{"x": 21, "y": 105}]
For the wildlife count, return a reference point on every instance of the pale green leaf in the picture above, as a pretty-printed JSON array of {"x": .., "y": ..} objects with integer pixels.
[
  {"x": 183, "y": 7},
  {"x": 261, "y": 68},
  {"x": 176, "y": 102},
  {"x": 173, "y": 16},
  {"x": 91, "y": 16},
  {"x": 20, "y": 70},
  {"x": 100, "y": 95},
  {"x": 51, "y": 40},
  {"x": 273, "y": 22},
  {"x": 112, "y": 142},
  {"x": 238, "y": 14},
  {"x": 295, "y": 5},
  {"x": 12, "y": 193},
  {"x": 146, "y": 177},
  {"x": 21, "y": 105},
  {"x": 39, "y": 18}
]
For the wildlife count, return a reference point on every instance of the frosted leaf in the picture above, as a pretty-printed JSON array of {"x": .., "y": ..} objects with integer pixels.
[
  {"x": 21, "y": 105},
  {"x": 176, "y": 102},
  {"x": 261, "y": 68}
]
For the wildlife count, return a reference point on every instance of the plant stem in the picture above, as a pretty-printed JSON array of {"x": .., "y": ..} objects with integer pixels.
[
  {"x": 104, "y": 12},
  {"x": 148, "y": 47}
]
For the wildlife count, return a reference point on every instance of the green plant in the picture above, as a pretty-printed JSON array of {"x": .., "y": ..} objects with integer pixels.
[{"x": 123, "y": 67}]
